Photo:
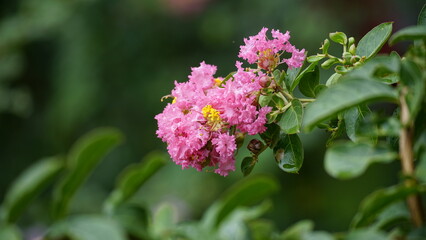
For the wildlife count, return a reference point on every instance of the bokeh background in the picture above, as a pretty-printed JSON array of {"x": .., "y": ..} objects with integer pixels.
[{"x": 69, "y": 66}]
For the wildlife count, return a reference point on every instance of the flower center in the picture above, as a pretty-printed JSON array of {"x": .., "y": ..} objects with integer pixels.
[
  {"x": 267, "y": 60},
  {"x": 212, "y": 115}
]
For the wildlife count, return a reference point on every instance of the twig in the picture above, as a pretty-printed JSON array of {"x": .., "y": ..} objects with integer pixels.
[{"x": 406, "y": 155}]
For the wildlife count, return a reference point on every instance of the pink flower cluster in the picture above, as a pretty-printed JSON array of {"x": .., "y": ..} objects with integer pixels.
[
  {"x": 206, "y": 113},
  {"x": 266, "y": 53},
  {"x": 197, "y": 124}
]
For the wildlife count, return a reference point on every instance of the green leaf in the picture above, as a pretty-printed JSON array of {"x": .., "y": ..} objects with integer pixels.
[
  {"x": 132, "y": 178},
  {"x": 421, "y": 20},
  {"x": 339, "y": 37},
  {"x": 383, "y": 68},
  {"x": 291, "y": 77},
  {"x": 329, "y": 62},
  {"x": 134, "y": 219},
  {"x": 308, "y": 83},
  {"x": 376, "y": 202},
  {"x": 344, "y": 95},
  {"x": 9, "y": 232},
  {"x": 289, "y": 153},
  {"x": 315, "y": 58},
  {"x": 296, "y": 231},
  {"x": 348, "y": 160},
  {"x": 412, "y": 77},
  {"x": 409, "y": 33},
  {"x": 296, "y": 81},
  {"x": 363, "y": 234},
  {"x": 247, "y": 165},
  {"x": 319, "y": 88},
  {"x": 291, "y": 121},
  {"x": 264, "y": 100},
  {"x": 87, "y": 227},
  {"x": 246, "y": 192},
  {"x": 352, "y": 118},
  {"x": 86, "y": 153},
  {"x": 392, "y": 215},
  {"x": 271, "y": 135},
  {"x": 373, "y": 41},
  {"x": 333, "y": 79},
  {"x": 163, "y": 221},
  {"x": 28, "y": 185}
]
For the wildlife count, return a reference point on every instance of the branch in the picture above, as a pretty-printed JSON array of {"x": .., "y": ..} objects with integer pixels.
[{"x": 406, "y": 155}]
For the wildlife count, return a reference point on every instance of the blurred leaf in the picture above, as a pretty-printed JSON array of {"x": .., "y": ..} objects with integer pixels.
[
  {"x": 246, "y": 192},
  {"x": 134, "y": 219},
  {"x": 86, "y": 153},
  {"x": 333, "y": 79},
  {"x": 132, "y": 178},
  {"x": 296, "y": 81},
  {"x": 363, "y": 234},
  {"x": 291, "y": 121},
  {"x": 392, "y": 215},
  {"x": 412, "y": 77},
  {"x": 296, "y": 231},
  {"x": 352, "y": 118},
  {"x": 271, "y": 135},
  {"x": 247, "y": 165},
  {"x": 409, "y": 33},
  {"x": 344, "y": 95},
  {"x": 261, "y": 229},
  {"x": 308, "y": 83},
  {"x": 379, "y": 200},
  {"x": 339, "y": 37},
  {"x": 9, "y": 232},
  {"x": 373, "y": 41},
  {"x": 87, "y": 227},
  {"x": 163, "y": 221},
  {"x": 420, "y": 171},
  {"x": 317, "y": 235},
  {"x": 289, "y": 153},
  {"x": 319, "y": 88},
  {"x": 28, "y": 185},
  {"x": 382, "y": 68},
  {"x": 348, "y": 160},
  {"x": 234, "y": 226},
  {"x": 421, "y": 20}
]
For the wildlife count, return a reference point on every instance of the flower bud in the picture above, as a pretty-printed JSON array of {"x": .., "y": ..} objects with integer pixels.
[
  {"x": 255, "y": 146},
  {"x": 327, "y": 64},
  {"x": 352, "y": 49},
  {"x": 351, "y": 41},
  {"x": 347, "y": 57},
  {"x": 325, "y": 46},
  {"x": 239, "y": 139},
  {"x": 265, "y": 81},
  {"x": 339, "y": 37}
]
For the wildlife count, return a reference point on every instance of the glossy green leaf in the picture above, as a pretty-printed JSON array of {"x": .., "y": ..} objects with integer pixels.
[
  {"x": 246, "y": 192},
  {"x": 271, "y": 135},
  {"x": 247, "y": 165},
  {"x": 291, "y": 76},
  {"x": 348, "y": 160},
  {"x": 289, "y": 153},
  {"x": 363, "y": 234},
  {"x": 344, "y": 95},
  {"x": 376, "y": 202},
  {"x": 86, "y": 153},
  {"x": 87, "y": 227},
  {"x": 412, "y": 77},
  {"x": 409, "y": 33},
  {"x": 296, "y": 80},
  {"x": 133, "y": 177},
  {"x": 308, "y": 82},
  {"x": 339, "y": 37},
  {"x": 28, "y": 185},
  {"x": 9, "y": 232},
  {"x": 373, "y": 41},
  {"x": 291, "y": 121}
]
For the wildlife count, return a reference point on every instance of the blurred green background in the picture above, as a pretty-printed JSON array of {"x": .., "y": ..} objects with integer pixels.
[{"x": 68, "y": 66}]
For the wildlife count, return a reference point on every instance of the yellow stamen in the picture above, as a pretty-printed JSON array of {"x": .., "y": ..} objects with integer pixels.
[
  {"x": 174, "y": 100},
  {"x": 212, "y": 115},
  {"x": 218, "y": 81}
]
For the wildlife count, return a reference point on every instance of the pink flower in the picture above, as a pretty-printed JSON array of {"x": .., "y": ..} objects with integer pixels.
[
  {"x": 197, "y": 125},
  {"x": 266, "y": 53}
]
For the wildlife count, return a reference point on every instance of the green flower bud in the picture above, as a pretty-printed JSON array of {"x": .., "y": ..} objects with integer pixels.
[
  {"x": 327, "y": 64},
  {"x": 347, "y": 57},
  {"x": 339, "y": 37},
  {"x": 351, "y": 41},
  {"x": 352, "y": 49},
  {"x": 325, "y": 46}
]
